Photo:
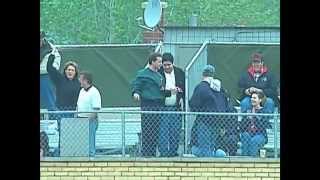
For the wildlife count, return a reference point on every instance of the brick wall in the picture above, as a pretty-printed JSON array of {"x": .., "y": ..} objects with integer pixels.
[{"x": 160, "y": 169}]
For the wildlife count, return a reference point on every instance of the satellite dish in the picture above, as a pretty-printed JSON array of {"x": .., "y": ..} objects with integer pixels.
[{"x": 152, "y": 13}]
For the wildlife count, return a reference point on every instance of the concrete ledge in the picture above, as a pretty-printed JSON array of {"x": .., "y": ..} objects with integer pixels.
[{"x": 174, "y": 159}]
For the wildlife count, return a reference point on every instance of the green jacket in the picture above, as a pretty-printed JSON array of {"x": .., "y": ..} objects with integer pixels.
[{"x": 148, "y": 84}]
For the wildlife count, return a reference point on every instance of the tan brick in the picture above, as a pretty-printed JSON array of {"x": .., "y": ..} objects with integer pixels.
[
  {"x": 234, "y": 174},
  {"x": 94, "y": 169},
  {"x": 227, "y": 169},
  {"x": 260, "y": 165},
  {"x": 111, "y": 169},
  {"x": 160, "y": 178},
  {"x": 101, "y": 164},
  {"x": 80, "y": 178},
  {"x": 141, "y": 173},
  {"x": 214, "y": 178},
  {"x": 214, "y": 169},
  {"x": 222, "y": 165},
  {"x": 210, "y": 174},
  {"x": 94, "y": 178},
  {"x": 230, "y": 165},
  {"x": 45, "y": 164},
  {"x": 174, "y": 178},
  {"x": 187, "y": 178},
  {"x": 54, "y": 169},
  {"x": 127, "y": 164},
  {"x": 87, "y": 164},
  {"x": 74, "y": 164},
  {"x": 200, "y": 178},
  {"x": 61, "y": 173},
  {"x": 194, "y": 165},
  {"x": 107, "y": 178},
  {"x": 66, "y": 178},
  {"x": 60, "y": 164},
  {"x": 167, "y": 173},
  {"x": 221, "y": 174},
  {"x": 194, "y": 174},
  {"x": 180, "y": 164},
  {"x": 113, "y": 173},
  {"x": 87, "y": 174},
  {"x": 261, "y": 174},
  {"x": 46, "y": 173},
  {"x": 180, "y": 173},
  {"x": 43, "y": 169},
  {"x": 81, "y": 169},
  {"x": 156, "y": 164},
  {"x": 267, "y": 170},
  {"x": 247, "y": 174},
  {"x": 128, "y": 178},
  {"x": 147, "y": 178},
  {"x": 69, "y": 169},
  {"x": 254, "y": 169},
  {"x": 201, "y": 169},
  {"x": 53, "y": 178},
  {"x": 277, "y": 170},
  {"x": 100, "y": 173},
  {"x": 74, "y": 173},
  {"x": 114, "y": 164},
  {"x": 267, "y": 178},
  {"x": 161, "y": 169},
  {"x": 174, "y": 169},
  {"x": 123, "y": 169},
  {"x": 188, "y": 169},
  {"x": 240, "y": 170},
  {"x": 253, "y": 178},
  {"x": 135, "y": 169},
  {"x": 148, "y": 169},
  {"x": 233, "y": 178},
  {"x": 154, "y": 173},
  {"x": 274, "y": 165},
  {"x": 127, "y": 173},
  {"x": 166, "y": 164},
  {"x": 274, "y": 174}
]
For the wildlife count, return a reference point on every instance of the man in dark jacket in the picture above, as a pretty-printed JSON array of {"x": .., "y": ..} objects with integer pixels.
[
  {"x": 148, "y": 89},
  {"x": 170, "y": 125},
  {"x": 257, "y": 78},
  {"x": 207, "y": 97}
]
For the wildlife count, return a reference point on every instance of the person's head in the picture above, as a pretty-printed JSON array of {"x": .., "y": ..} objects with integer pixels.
[
  {"x": 71, "y": 70},
  {"x": 85, "y": 79},
  {"x": 257, "y": 61},
  {"x": 155, "y": 60},
  {"x": 42, "y": 38},
  {"x": 208, "y": 71},
  {"x": 167, "y": 62},
  {"x": 258, "y": 99}
]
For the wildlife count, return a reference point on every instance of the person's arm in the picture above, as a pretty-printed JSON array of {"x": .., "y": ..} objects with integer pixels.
[
  {"x": 57, "y": 60},
  {"x": 271, "y": 89},
  {"x": 54, "y": 74},
  {"x": 243, "y": 85},
  {"x": 96, "y": 104}
]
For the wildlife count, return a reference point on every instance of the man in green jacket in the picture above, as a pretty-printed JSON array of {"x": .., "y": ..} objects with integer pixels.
[{"x": 148, "y": 89}]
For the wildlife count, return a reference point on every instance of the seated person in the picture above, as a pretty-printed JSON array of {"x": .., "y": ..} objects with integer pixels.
[
  {"x": 258, "y": 78},
  {"x": 253, "y": 128},
  {"x": 44, "y": 144}
]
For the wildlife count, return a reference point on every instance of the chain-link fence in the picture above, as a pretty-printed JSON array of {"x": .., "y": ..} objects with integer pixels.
[{"x": 158, "y": 132}]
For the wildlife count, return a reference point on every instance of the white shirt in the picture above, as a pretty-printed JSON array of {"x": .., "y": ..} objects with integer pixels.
[
  {"x": 88, "y": 100},
  {"x": 170, "y": 84}
]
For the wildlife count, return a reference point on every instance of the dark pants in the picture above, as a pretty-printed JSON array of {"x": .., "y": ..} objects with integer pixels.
[
  {"x": 170, "y": 127},
  {"x": 150, "y": 127}
]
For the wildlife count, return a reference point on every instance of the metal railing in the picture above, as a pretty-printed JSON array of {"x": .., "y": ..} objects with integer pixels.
[{"x": 123, "y": 133}]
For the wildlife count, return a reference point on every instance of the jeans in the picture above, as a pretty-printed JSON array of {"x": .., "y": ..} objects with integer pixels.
[
  {"x": 150, "y": 127},
  {"x": 245, "y": 104},
  {"x": 93, "y": 126},
  {"x": 47, "y": 95},
  {"x": 170, "y": 126},
  {"x": 205, "y": 144},
  {"x": 251, "y": 144}
]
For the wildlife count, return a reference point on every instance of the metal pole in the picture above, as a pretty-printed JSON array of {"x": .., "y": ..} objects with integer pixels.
[
  {"x": 275, "y": 135},
  {"x": 123, "y": 133}
]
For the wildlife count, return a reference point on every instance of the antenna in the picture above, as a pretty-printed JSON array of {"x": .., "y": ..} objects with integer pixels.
[{"x": 152, "y": 13}]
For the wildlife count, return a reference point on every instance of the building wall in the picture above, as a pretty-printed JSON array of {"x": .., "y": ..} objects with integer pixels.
[{"x": 157, "y": 169}]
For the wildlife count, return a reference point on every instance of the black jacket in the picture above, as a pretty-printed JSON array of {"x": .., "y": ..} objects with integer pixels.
[
  {"x": 267, "y": 82},
  {"x": 67, "y": 91},
  {"x": 180, "y": 82}
]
